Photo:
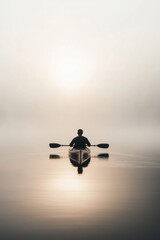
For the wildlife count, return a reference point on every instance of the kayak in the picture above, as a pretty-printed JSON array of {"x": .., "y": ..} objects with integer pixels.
[{"x": 79, "y": 155}]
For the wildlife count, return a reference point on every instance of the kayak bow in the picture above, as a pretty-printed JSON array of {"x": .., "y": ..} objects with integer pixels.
[{"x": 79, "y": 155}]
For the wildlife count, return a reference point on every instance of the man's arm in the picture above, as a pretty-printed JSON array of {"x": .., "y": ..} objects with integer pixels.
[
  {"x": 71, "y": 143},
  {"x": 88, "y": 143}
]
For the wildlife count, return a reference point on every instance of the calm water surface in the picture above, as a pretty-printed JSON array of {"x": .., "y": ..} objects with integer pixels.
[{"x": 45, "y": 198}]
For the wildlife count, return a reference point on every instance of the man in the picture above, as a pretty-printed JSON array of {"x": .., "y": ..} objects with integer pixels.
[{"x": 80, "y": 142}]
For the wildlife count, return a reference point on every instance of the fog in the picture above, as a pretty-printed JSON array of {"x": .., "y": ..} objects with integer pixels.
[{"x": 80, "y": 64}]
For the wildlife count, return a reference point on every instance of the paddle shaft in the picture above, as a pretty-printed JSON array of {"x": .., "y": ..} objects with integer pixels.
[{"x": 57, "y": 145}]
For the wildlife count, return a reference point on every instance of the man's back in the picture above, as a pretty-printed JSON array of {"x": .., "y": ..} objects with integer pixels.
[{"x": 80, "y": 142}]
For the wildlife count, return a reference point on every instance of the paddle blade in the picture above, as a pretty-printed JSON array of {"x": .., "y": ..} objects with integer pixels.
[
  {"x": 54, "y": 156},
  {"x": 54, "y": 145},
  {"x": 103, "y": 155},
  {"x": 103, "y": 145}
]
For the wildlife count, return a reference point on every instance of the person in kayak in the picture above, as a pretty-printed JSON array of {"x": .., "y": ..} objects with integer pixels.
[{"x": 80, "y": 142}]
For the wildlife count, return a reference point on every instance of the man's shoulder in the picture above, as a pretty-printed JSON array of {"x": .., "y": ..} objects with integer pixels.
[
  {"x": 75, "y": 138},
  {"x": 84, "y": 138},
  {"x": 80, "y": 137}
]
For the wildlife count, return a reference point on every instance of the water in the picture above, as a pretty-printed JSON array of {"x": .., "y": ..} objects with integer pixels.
[{"x": 45, "y": 198}]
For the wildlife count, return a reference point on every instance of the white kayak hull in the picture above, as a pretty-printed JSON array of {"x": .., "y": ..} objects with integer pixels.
[{"x": 79, "y": 155}]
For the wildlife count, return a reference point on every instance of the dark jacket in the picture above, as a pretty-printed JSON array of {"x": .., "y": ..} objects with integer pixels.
[{"x": 80, "y": 142}]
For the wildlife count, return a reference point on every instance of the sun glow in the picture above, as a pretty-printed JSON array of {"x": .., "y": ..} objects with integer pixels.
[{"x": 70, "y": 70}]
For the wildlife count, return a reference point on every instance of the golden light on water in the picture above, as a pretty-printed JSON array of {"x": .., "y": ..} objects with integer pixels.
[
  {"x": 68, "y": 192},
  {"x": 68, "y": 183},
  {"x": 59, "y": 196},
  {"x": 76, "y": 195}
]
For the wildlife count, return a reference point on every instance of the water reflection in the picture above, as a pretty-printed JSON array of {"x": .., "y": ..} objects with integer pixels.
[
  {"x": 54, "y": 156},
  {"x": 45, "y": 199},
  {"x": 80, "y": 166},
  {"x": 74, "y": 163},
  {"x": 103, "y": 155},
  {"x": 85, "y": 164}
]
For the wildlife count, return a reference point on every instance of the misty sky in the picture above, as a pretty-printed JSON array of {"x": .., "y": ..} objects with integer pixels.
[{"x": 68, "y": 64}]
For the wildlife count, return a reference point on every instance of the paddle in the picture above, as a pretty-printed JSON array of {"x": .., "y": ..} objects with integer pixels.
[
  {"x": 101, "y": 145},
  {"x": 57, "y": 145}
]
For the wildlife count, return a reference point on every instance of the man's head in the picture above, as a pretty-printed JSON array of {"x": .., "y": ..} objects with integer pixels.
[{"x": 80, "y": 132}]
